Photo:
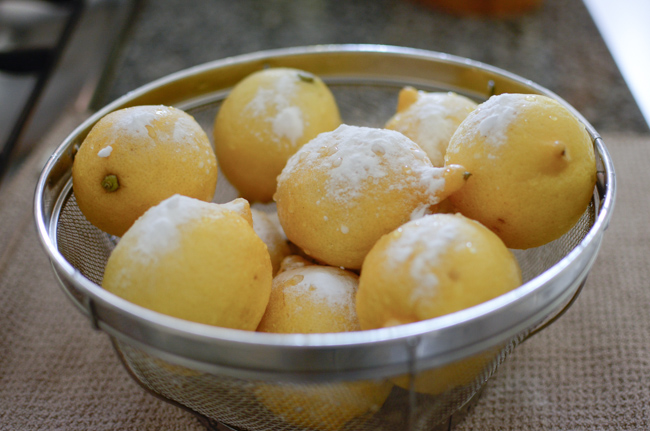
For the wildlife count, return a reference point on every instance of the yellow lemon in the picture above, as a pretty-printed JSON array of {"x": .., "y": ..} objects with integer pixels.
[
  {"x": 308, "y": 298},
  {"x": 430, "y": 119},
  {"x": 266, "y": 118},
  {"x": 474, "y": 370},
  {"x": 193, "y": 260},
  {"x": 323, "y": 406},
  {"x": 430, "y": 267},
  {"x": 533, "y": 168},
  {"x": 269, "y": 230},
  {"x": 345, "y": 189},
  {"x": 136, "y": 157}
]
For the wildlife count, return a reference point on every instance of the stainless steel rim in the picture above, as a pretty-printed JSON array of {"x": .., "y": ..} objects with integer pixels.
[{"x": 304, "y": 357}]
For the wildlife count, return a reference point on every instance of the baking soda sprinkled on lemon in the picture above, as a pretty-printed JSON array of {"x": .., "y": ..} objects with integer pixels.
[
  {"x": 430, "y": 119},
  {"x": 268, "y": 228},
  {"x": 433, "y": 266},
  {"x": 346, "y": 188},
  {"x": 533, "y": 168},
  {"x": 134, "y": 158},
  {"x": 312, "y": 299},
  {"x": 193, "y": 260},
  {"x": 264, "y": 120},
  {"x": 309, "y": 298}
]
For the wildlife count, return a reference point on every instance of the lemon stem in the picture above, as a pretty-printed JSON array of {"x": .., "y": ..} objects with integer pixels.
[
  {"x": 110, "y": 183},
  {"x": 306, "y": 78}
]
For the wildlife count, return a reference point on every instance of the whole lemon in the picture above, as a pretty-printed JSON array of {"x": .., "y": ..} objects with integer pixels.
[
  {"x": 265, "y": 119},
  {"x": 345, "y": 189},
  {"x": 136, "y": 157},
  {"x": 193, "y": 260},
  {"x": 430, "y": 119},
  {"x": 310, "y": 298},
  {"x": 533, "y": 168},
  {"x": 324, "y": 406},
  {"x": 430, "y": 267},
  {"x": 474, "y": 370}
]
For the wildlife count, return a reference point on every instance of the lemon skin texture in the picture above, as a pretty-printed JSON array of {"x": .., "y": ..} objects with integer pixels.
[
  {"x": 430, "y": 267},
  {"x": 311, "y": 298},
  {"x": 265, "y": 119},
  {"x": 328, "y": 407},
  {"x": 473, "y": 370},
  {"x": 150, "y": 153},
  {"x": 193, "y": 260},
  {"x": 430, "y": 119},
  {"x": 533, "y": 168},
  {"x": 346, "y": 188}
]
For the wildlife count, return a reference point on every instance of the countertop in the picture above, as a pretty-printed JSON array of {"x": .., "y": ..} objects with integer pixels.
[
  {"x": 587, "y": 371},
  {"x": 558, "y": 46}
]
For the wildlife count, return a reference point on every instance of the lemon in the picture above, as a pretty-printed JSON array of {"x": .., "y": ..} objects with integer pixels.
[
  {"x": 193, "y": 260},
  {"x": 268, "y": 228},
  {"x": 308, "y": 298},
  {"x": 533, "y": 168},
  {"x": 265, "y": 119},
  {"x": 473, "y": 370},
  {"x": 323, "y": 406},
  {"x": 345, "y": 189},
  {"x": 430, "y": 119},
  {"x": 430, "y": 267},
  {"x": 134, "y": 158}
]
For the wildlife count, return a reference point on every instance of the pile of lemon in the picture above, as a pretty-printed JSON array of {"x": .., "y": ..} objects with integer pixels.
[{"x": 372, "y": 227}]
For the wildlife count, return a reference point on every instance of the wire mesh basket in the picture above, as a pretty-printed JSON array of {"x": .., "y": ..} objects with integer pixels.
[{"x": 420, "y": 376}]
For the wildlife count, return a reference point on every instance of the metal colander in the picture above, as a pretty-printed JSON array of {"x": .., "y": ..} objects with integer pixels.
[{"x": 419, "y": 376}]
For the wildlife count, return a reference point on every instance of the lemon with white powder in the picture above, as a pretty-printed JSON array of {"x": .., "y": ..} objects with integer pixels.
[
  {"x": 533, "y": 168},
  {"x": 136, "y": 157},
  {"x": 430, "y": 119},
  {"x": 309, "y": 298},
  {"x": 265, "y": 119},
  {"x": 194, "y": 260},
  {"x": 346, "y": 188},
  {"x": 430, "y": 267}
]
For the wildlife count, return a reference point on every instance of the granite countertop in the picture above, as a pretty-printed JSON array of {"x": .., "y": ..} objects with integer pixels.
[{"x": 557, "y": 46}]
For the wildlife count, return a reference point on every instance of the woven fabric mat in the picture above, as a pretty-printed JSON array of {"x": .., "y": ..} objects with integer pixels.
[{"x": 588, "y": 371}]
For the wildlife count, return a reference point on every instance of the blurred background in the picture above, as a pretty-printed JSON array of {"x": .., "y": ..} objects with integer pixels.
[{"x": 63, "y": 55}]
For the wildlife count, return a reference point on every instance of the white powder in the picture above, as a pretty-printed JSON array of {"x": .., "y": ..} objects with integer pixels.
[
  {"x": 438, "y": 117},
  {"x": 333, "y": 287},
  {"x": 421, "y": 244},
  {"x": 158, "y": 231},
  {"x": 160, "y": 123},
  {"x": 138, "y": 121},
  {"x": 354, "y": 156},
  {"x": 493, "y": 117},
  {"x": 105, "y": 152},
  {"x": 287, "y": 122},
  {"x": 184, "y": 130}
]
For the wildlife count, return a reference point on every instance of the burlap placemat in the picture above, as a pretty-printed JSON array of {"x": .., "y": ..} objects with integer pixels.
[{"x": 590, "y": 370}]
